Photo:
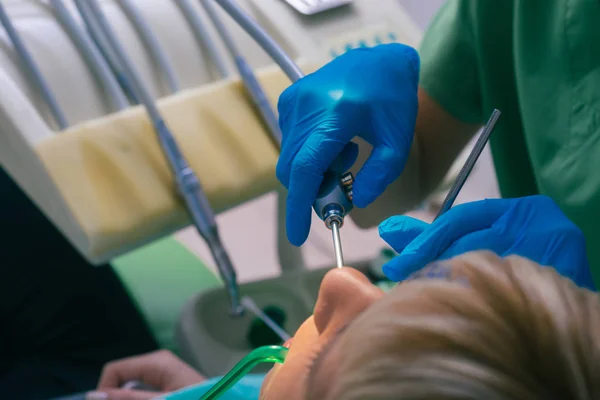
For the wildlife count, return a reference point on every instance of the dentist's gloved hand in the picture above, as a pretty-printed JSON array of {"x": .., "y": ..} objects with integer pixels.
[
  {"x": 367, "y": 92},
  {"x": 532, "y": 227}
]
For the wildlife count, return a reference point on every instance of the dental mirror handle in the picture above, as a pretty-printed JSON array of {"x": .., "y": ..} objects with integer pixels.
[{"x": 466, "y": 169}]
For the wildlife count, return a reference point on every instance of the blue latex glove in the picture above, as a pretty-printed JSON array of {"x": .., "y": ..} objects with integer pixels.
[
  {"x": 367, "y": 92},
  {"x": 533, "y": 227}
]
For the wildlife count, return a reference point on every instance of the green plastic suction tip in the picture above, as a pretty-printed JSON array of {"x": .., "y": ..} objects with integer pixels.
[{"x": 265, "y": 354}]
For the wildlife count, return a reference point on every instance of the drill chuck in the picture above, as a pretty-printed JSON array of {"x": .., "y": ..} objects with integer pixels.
[{"x": 334, "y": 200}]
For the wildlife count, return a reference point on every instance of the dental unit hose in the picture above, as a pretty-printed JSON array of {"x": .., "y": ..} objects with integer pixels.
[
  {"x": 334, "y": 200},
  {"x": 107, "y": 53},
  {"x": 257, "y": 94},
  {"x": 33, "y": 71},
  {"x": 203, "y": 36},
  {"x": 96, "y": 62},
  {"x": 151, "y": 43},
  {"x": 187, "y": 182}
]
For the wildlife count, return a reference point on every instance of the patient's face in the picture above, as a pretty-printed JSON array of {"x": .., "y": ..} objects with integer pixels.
[{"x": 344, "y": 294}]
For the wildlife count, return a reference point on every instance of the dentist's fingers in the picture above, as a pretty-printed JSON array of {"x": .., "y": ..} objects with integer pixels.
[
  {"x": 308, "y": 170},
  {"x": 441, "y": 234},
  {"x": 401, "y": 230}
]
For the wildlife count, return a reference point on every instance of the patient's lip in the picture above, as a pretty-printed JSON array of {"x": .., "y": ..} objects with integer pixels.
[{"x": 288, "y": 343}]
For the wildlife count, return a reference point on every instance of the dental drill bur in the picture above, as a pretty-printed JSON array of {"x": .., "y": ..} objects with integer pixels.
[
  {"x": 186, "y": 179},
  {"x": 334, "y": 200}
]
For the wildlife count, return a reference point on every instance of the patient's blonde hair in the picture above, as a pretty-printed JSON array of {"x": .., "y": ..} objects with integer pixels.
[{"x": 476, "y": 327}]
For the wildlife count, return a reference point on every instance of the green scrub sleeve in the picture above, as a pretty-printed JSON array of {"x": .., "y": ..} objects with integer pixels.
[{"x": 449, "y": 72}]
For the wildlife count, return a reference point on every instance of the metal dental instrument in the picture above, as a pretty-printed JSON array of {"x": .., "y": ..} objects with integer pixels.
[
  {"x": 188, "y": 184},
  {"x": 104, "y": 48},
  {"x": 253, "y": 87},
  {"x": 203, "y": 36},
  {"x": 466, "y": 169},
  {"x": 94, "y": 59},
  {"x": 151, "y": 43},
  {"x": 33, "y": 71},
  {"x": 334, "y": 200}
]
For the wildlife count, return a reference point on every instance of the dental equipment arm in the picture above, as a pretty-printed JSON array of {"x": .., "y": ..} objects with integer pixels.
[
  {"x": 334, "y": 200},
  {"x": 203, "y": 36},
  {"x": 96, "y": 62},
  {"x": 33, "y": 71},
  {"x": 188, "y": 184},
  {"x": 151, "y": 43}
]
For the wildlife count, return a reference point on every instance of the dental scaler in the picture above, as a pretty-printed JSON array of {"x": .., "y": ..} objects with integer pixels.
[{"x": 334, "y": 200}]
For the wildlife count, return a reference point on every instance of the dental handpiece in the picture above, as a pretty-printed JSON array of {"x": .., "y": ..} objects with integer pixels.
[
  {"x": 334, "y": 200},
  {"x": 187, "y": 182}
]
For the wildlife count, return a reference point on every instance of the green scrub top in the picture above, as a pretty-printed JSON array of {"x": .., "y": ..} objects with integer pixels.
[{"x": 537, "y": 61}]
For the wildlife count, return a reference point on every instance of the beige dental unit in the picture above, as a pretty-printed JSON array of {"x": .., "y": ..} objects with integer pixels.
[{"x": 104, "y": 181}]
